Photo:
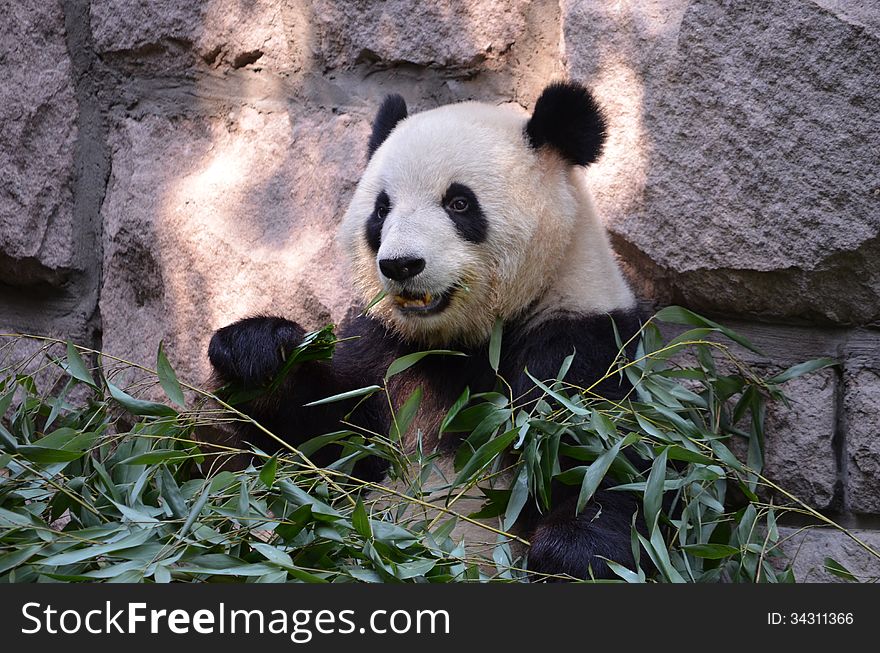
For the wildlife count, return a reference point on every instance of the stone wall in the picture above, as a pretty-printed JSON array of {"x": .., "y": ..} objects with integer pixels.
[{"x": 171, "y": 166}]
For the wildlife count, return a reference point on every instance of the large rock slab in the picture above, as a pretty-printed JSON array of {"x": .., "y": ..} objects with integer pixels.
[
  {"x": 38, "y": 112},
  {"x": 801, "y": 448},
  {"x": 210, "y": 219},
  {"x": 808, "y": 548},
  {"x": 862, "y": 406},
  {"x": 800, "y": 455},
  {"x": 741, "y": 172},
  {"x": 219, "y": 33},
  {"x": 799, "y": 440},
  {"x": 449, "y": 34}
]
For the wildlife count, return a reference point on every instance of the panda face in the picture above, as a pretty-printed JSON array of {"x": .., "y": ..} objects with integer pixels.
[
  {"x": 421, "y": 280},
  {"x": 444, "y": 219},
  {"x": 459, "y": 219}
]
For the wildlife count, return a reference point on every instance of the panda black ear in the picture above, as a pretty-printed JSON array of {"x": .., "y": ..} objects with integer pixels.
[
  {"x": 392, "y": 111},
  {"x": 568, "y": 119}
]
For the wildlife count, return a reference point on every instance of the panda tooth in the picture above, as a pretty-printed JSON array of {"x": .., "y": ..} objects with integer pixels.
[{"x": 404, "y": 301}]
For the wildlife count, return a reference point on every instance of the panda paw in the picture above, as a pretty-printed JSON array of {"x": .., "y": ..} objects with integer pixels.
[
  {"x": 565, "y": 544},
  {"x": 251, "y": 351}
]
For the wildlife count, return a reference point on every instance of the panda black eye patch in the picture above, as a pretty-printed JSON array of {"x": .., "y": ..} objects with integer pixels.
[
  {"x": 464, "y": 210},
  {"x": 377, "y": 218}
]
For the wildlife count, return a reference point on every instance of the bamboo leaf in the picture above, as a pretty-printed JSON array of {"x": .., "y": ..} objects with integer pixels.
[
  {"x": 519, "y": 494},
  {"x": 267, "y": 473},
  {"x": 679, "y": 315},
  {"x": 405, "y": 362},
  {"x": 168, "y": 379},
  {"x": 273, "y": 554},
  {"x": 351, "y": 394},
  {"x": 136, "y": 538},
  {"x": 361, "y": 521},
  {"x": 495, "y": 344},
  {"x": 139, "y": 406},
  {"x": 170, "y": 491},
  {"x": 76, "y": 367},
  {"x": 196, "y": 510},
  {"x": 44, "y": 455},
  {"x": 565, "y": 401},
  {"x": 594, "y": 475},
  {"x": 156, "y": 456},
  {"x": 711, "y": 551},
  {"x": 834, "y": 567},
  {"x": 378, "y": 298},
  {"x": 460, "y": 403},
  {"x": 654, "y": 490},
  {"x": 803, "y": 368},
  {"x": 404, "y": 417},
  {"x": 484, "y": 455}
]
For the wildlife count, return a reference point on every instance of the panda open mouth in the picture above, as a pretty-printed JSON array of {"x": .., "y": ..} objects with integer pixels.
[{"x": 424, "y": 304}]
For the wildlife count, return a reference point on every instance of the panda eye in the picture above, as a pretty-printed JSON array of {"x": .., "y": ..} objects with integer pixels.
[
  {"x": 459, "y": 205},
  {"x": 382, "y": 212}
]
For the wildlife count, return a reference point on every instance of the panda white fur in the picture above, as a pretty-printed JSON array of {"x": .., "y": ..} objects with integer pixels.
[{"x": 464, "y": 214}]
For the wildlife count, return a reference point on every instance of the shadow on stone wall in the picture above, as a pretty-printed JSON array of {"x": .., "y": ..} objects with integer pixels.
[{"x": 229, "y": 181}]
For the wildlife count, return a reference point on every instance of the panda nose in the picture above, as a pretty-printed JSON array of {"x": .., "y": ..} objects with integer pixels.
[{"x": 401, "y": 269}]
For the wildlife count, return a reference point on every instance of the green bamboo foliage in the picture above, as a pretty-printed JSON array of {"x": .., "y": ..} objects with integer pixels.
[{"x": 101, "y": 481}]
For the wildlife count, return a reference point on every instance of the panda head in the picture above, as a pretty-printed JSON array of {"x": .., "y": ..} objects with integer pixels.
[{"x": 465, "y": 213}]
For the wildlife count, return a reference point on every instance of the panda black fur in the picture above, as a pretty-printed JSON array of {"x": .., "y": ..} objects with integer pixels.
[{"x": 464, "y": 214}]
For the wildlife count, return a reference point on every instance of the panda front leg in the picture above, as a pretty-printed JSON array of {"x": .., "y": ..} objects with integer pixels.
[
  {"x": 577, "y": 545},
  {"x": 247, "y": 355}
]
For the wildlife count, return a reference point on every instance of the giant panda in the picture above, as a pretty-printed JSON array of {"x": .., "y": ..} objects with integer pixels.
[{"x": 464, "y": 214}]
